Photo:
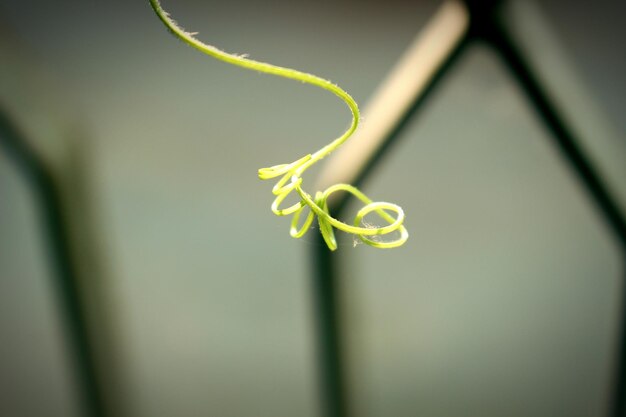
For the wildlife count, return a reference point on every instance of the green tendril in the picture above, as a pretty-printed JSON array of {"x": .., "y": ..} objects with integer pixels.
[{"x": 291, "y": 174}]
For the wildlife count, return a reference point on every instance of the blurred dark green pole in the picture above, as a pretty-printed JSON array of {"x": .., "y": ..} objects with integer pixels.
[
  {"x": 327, "y": 297},
  {"x": 327, "y": 309},
  {"x": 48, "y": 200},
  {"x": 488, "y": 28}
]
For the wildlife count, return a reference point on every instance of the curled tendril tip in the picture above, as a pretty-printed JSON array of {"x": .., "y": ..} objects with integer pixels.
[{"x": 291, "y": 174}]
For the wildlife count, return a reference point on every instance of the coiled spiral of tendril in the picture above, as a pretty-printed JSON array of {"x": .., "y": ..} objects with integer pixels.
[{"x": 291, "y": 179}]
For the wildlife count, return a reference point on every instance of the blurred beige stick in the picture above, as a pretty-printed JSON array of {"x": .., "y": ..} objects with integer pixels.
[{"x": 406, "y": 81}]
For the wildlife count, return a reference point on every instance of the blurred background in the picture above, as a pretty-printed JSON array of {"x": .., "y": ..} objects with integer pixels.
[{"x": 504, "y": 301}]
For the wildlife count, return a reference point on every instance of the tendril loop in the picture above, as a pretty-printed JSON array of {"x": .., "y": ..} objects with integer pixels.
[{"x": 291, "y": 174}]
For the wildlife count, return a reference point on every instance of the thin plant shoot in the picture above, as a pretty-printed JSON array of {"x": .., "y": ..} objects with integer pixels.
[{"x": 291, "y": 174}]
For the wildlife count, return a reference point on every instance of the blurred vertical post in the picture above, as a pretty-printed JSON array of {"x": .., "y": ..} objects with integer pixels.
[
  {"x": 408, "y": 85},
  {"x": 48, "y": 200}
]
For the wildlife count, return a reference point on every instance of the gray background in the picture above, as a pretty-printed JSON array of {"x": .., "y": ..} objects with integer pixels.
[{"x": 503, "y": 302}]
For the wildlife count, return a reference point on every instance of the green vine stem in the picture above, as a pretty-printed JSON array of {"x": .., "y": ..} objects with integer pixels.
[{"x": 291, "y": 174}]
